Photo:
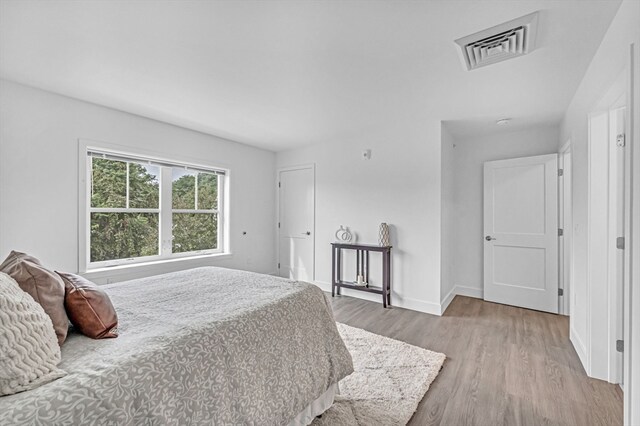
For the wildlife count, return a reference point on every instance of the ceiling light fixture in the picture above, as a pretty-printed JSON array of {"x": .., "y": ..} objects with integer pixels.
[{"x": 503, "y": 121}]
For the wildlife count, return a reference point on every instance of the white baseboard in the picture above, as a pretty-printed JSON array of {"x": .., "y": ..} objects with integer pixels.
[
  {"x": 447, "y": 300},
  {"x": 398, "y": 301},
  {"x": 420, "y": 306},
  {"x": 461, "y": 291},
  {"x": 409, "y": 303},
  {"x": 476, "y": 292},
  {"x": 580, "y": 348}
]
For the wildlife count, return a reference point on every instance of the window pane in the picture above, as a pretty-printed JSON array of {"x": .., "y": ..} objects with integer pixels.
[
  {"x": 108, "y": 183},
  {"x": 123, "y": 235},
  {"x": 184, "y": 189},
  {"x": 207, "y": 191},
  {"x": 194, "y": 231},
  {"x": 144, "y": 190}
]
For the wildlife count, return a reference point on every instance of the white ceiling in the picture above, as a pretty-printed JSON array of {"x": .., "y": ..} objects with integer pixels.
[{"x": 282, "y": 74}]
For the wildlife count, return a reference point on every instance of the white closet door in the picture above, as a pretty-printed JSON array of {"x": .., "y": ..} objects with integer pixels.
[{"x": 296, "y": 224}]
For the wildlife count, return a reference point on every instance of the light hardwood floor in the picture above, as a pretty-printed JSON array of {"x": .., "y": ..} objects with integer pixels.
[{"x": 505, "y": 365}]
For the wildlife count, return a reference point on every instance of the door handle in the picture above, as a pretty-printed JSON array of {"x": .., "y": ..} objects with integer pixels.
[
  {"x": 489, "y": 238},
  {"x": 306, "y": 233}
]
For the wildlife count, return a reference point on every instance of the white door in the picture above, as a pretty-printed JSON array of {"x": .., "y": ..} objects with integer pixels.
[
  {"x": 296, "y": 223},
  {"x": 521, "y": 232}
]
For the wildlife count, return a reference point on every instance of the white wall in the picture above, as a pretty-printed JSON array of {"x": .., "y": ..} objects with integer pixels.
[
  {"x": 448, "y": 261},
  {"x": 39, "y": 134},
  {"x": 609, "y": 61},
  {"x": 467, "y": 161},
  {"x": 399, "y": 185}
]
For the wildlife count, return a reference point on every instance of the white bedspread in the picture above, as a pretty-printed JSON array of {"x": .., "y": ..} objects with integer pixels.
[{"x": 204, "y": 346}]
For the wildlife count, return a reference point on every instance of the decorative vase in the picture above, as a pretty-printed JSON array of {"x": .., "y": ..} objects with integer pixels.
[
  {"x": 383, "y": 235},
  {"x": 343, "y": 235}
]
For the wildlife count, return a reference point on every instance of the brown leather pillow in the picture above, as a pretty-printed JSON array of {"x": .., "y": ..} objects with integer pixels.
[
  {"x": 44, "y": 286},
  {"x": 89, "y": 307}
]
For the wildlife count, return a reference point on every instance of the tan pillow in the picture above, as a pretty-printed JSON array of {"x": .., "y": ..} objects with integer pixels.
[
  {"x": 44, "y": 286},
  {"x": 89, "y": 307},
  {"x": 29, "y": 351}
]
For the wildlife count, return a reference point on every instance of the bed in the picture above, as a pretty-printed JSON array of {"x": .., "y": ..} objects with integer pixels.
[{"x": 207, "y": 345}]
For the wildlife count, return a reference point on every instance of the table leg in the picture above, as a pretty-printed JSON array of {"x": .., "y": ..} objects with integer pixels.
[
  {"x": 339, "y": 269},
  {"x": 366, "y": 268},
  {"x": 333, "y": 272},
  {"x": 385, "y": 279},
  {"x": 388, "y": 255}
]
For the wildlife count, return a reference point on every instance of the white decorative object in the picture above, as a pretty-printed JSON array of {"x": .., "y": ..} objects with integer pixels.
[
  {"x": 384, "y": 239},
  {"x": 343, "y": 235},
  {"x": 30, "y": 352}
]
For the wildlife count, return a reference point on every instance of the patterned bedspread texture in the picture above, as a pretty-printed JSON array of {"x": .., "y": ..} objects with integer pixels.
[{"x": 203, "y": 346}]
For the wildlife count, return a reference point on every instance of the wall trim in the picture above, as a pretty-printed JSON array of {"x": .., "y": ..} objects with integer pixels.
[
  {"x": 580, "y": 348},
  {"x": 447, "y": 300},
  {"x": 632, "y": 260},
  {"x": 476, "y": 292},
  {"x": 409, "y": 303},
  {"x": 396, "y": 300},
  {"x": 460, "y": 290}
]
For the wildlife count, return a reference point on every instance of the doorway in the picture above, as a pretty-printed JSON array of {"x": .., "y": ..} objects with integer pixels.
[{"x": 296, "y": 223}]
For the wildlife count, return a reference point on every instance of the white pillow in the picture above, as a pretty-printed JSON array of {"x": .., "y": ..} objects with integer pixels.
[{"x": 29, "y": 351}]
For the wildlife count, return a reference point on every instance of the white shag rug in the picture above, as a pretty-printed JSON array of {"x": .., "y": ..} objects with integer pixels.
[{"x": 390, "y": 378}]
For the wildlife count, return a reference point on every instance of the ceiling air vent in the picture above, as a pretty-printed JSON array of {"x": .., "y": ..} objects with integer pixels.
[{"x": 505, "y": 41}]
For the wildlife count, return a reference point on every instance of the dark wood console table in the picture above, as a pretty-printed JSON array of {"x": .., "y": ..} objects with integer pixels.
[{"x": 362, "y": 268}]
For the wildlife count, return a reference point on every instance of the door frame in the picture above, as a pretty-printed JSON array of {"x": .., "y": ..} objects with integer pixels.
[
  {"x": 565, "y": 249},
  {"x": 602, "y": 360},
  {"x": 279, "y": 170},
  {"x": 616, "y": 288},
  {"x": 632, "y": 249}
]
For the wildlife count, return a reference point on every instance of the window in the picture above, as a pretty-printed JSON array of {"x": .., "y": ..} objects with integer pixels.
[
  {"x": 194, "y": 214},
  {"x": 142, "y": 210}
]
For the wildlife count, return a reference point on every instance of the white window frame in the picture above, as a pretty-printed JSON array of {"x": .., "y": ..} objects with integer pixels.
[{"x": 165, "y": 209}]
